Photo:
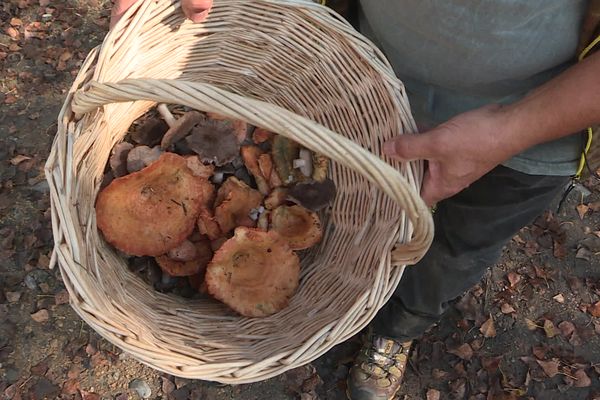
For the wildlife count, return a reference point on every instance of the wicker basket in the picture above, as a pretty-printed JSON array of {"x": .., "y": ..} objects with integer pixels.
[{"x": 290, "y": 66}]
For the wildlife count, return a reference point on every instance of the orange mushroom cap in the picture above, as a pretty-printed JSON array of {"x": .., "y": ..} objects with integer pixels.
[
  {"x": 300, "y": 227},
  {"x": 255, "y": 273},
  {"x": 152, "y": 211},
  {"x": 187, "y": 268},
  {"x": 234, "y": 203}
]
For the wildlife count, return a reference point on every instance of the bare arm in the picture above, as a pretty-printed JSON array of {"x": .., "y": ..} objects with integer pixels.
[{"x": 468, "y": 146}]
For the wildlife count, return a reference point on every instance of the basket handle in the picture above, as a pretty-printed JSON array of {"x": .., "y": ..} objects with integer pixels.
[{"x": 302, "y": 130}]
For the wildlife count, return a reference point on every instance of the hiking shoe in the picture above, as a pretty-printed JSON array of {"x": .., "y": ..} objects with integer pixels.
[{"x": 378, "y": 369}]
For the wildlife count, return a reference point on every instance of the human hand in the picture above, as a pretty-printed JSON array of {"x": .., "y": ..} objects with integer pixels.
[
  {"x": 196, "y": 10},
  {"x": 458, "y": 152}
]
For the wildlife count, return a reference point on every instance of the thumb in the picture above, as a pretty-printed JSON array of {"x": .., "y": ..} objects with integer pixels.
[
  {"x": 410, "y": 147},
  {"x": 196, "y": 10}
]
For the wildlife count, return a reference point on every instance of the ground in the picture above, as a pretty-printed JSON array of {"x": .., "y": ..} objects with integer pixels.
[{"x": 529, "y": 330}]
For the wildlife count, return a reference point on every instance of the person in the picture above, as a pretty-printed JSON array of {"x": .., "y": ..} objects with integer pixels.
[{"x": 505, "y": 103}]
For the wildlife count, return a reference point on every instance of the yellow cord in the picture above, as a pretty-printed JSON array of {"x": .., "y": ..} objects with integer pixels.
[{"x": 590, "y": 132}]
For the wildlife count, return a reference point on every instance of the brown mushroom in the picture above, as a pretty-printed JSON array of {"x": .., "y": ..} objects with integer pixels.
[
  {"x": 198, "y": 168},
  {"x": 276, "y": 198},
  {"x": 240, "y": 128},
  {"x": 313, "y": 195},
  {"x": 320, "y": 167},
  {"x": 118, "y": 159},
  {"x": 180, "y": 128},
  {"x": 251, "y": 156},
  {"x": 300, "y": 227},
  {"x": 207, "y": 225},
  {"x": 141, "y": 156},
  {"x": 284, "y": 152},
  {"x": 152, "y": 211},
  {"x": 214, "y": 141},
  {"x": 261, "y": 135},
  {"x": 263, "y": 220},
  {"x": 255, "y": 273},
  {"x": 197, "y": 265},
  {"x": 234, "y": 204}
]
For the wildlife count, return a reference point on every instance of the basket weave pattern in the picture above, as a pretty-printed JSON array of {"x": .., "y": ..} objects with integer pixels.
[{"x": 292, "y": 67}]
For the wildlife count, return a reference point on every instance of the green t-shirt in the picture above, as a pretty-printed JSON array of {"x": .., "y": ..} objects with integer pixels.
[{"x": 457, "y": 55}]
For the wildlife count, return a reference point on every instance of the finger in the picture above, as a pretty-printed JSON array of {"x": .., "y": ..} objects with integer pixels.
[
  {"x": 196, "y": 10},
  {"x": 120, "y": 7},
  {"x": 410, "y": 147}
]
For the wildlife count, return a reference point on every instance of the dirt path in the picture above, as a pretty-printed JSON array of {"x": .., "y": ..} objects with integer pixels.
[{"x": 529, "y": 330}]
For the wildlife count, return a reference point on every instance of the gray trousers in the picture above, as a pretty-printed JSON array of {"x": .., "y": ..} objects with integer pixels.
[{"x": 471, "y": 228}]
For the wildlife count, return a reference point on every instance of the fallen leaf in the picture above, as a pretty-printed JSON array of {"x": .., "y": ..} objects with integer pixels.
[
  {"x": 89, "y": 395},
  {"x": 595, "y": 206},
  {"x": 559, "y": 249},
  {"x": 464, "y": 351},
  {"x": 582, "y": 379},
  {"x": 16, "y": 22},
  {"x": 458, "y": 388},
  {"x": 488, "y": 329},
  {"x": 70, "y": 387},
  {"x": 584, "y": 254},
  {"x": 513, "y": 278},
  {"x": 19, "y": 159},
  {"x": 594, "y": 310},
  {"x": 566, "y": 329},
  {"x": 549, "y": 328},
  {"x": 550, "y": 367},
  {"x": 40, "y": 316},
  {"x": 597, "y": 233},
  {"x": 559, "y": 298},
  {"x": 582, "y": 209},
  {"x": 441, "y": 374},
  {"x": 13, "y": 297},
  {"x": 433, "y": 394},
  {"x": 507, "y": 308},
  {"x": 539, "y": 352},
  {"x": 532, "y": 326}
]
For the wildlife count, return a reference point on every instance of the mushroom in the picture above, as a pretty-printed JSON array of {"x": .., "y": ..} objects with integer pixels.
[
  {"x": 150, "y": 132},
  {"x": 152, "y": 211},
  {"x": 118, "y": 159},
  {"x": 284, "y": 152},
  {"x": 313, "y": 195},
  {"x": 320, "y": 167},
  {"x": 240, "y": 128},
  {"x": 207, "y": 225},
  {"x": 178, "y": 128},
  {"x": 141, "y": 156},
  {"x": 300, "y": 227},
  {"x": 198, "y": 168},
  {"x": 194, "y": 266},
  {"x": 186, "y": 251},
  {"x": 304, "y": 163},
  {"x": 261, "y": 135},
  {"x": 255, "y": 273},
  {"x": 276, "y": 198},
  {"x": 265, "y": 164},
  {"x": 214, "y": 141},
  {"x": 251, "y": 156},
  {"x": 263, "y": 220},
  {"x": 234, "y": 204}
]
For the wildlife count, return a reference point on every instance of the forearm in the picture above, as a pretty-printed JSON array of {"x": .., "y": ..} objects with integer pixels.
[{"x": 562, "y": 106}]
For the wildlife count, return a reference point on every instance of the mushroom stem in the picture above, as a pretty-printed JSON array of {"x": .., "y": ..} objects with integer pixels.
[{"x": 166, "y": 114}]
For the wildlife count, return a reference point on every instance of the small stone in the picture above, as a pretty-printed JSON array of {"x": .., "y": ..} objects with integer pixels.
[
  {"x": 61, "y": 297},
  {"x": 30, "y": 282},
  {"x": 13, "y": 297},
  {"x": 44, "y": 287},
  {"x": 41, "y": 316},
  {"x": 141, "y": 387}
]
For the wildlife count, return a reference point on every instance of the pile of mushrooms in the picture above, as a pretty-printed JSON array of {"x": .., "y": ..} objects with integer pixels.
[{"x": 210, "y": 205}]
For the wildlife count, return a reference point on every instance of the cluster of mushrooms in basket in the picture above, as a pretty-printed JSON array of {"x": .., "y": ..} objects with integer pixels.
[{"x": 204, "y": 205}]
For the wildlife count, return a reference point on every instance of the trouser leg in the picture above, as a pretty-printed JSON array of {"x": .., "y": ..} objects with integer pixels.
[{"x": 471, "y": 228}]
